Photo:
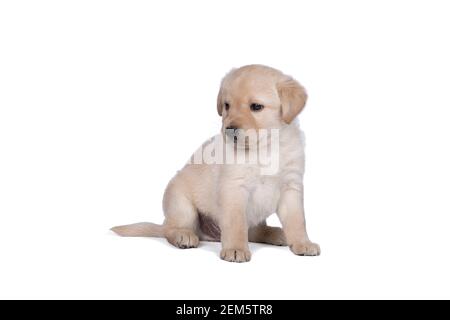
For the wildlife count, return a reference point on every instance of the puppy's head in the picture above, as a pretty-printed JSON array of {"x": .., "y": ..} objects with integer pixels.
[{"x": 258, "y": 97}]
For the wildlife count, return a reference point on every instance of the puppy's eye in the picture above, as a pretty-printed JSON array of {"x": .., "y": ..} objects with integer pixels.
[
  {"x": 227, "y": 106},
  {"x": 256, "y": 107}
]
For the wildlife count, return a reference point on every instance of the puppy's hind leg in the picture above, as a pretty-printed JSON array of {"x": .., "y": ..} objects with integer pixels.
[
  {"x": 263, "y": 233},
  {"x": 181, "y": 223}
]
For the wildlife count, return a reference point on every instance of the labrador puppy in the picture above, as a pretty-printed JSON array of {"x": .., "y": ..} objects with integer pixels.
[{"x": 230, "y": 200}]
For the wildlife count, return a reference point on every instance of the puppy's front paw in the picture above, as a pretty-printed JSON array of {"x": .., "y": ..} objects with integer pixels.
[
  {"x": 235, "y": 255},
  {"x": 305, "y": 249}
]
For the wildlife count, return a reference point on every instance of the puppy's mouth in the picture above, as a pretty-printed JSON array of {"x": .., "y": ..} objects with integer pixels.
[
  {"x": 232, "y": 135},
  {"x": 237, "y": 138}
]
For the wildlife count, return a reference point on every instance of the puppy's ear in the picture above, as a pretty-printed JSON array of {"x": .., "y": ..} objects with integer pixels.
[
  {"x": 219, "y": 102},
  {"x": 293, "y": 98},
  {"x": 219, "y": 96}
]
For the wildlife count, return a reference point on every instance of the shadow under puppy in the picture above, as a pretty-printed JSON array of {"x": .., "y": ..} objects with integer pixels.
[{"x": 230, "y": 202}]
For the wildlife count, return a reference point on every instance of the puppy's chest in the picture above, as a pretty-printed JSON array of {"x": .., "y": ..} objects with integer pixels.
[{"x": 264, "y": 194}]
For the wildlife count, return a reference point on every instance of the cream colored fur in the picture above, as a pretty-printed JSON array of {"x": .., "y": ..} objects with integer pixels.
[{"x": 237, "y": 197}]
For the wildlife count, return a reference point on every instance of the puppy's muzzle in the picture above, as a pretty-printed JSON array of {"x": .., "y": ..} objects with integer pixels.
[{"x": 232, "y": 132}]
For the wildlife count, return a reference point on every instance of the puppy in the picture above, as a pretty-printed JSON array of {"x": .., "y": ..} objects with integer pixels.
[{"x": 230, "y": 200}]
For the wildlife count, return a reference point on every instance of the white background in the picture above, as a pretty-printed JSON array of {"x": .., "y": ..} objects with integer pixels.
[{"x": 102, "y": 101}]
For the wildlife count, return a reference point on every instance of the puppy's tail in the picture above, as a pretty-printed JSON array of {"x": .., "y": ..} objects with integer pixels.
[{"x": 141, "y": 229}]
